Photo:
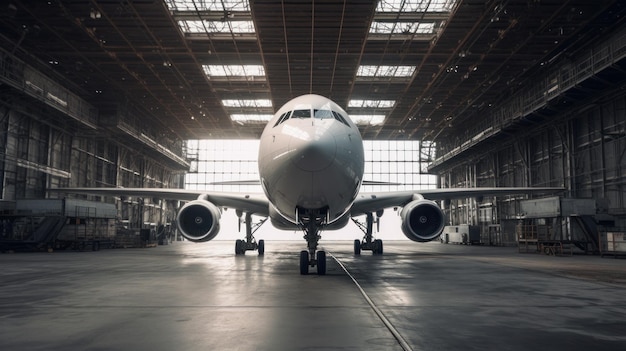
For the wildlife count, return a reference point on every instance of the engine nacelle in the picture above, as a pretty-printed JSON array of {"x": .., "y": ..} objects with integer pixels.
[
  {"x": 422, "y": 220},
  {"x": 199, "y": 220}
]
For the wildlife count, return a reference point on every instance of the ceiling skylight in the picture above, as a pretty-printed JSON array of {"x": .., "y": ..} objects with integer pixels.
[
  {"x": 410, "y": 19},
  {"x": 250, "y": 118},
  {"x": 415, "y": 5},
  {"x": 201, "y": 19},
  {"x": 235, "y": 72},
  {"x": 247, "y": 103},
  {"x": 207, "y": 5},
  {"x": 216, "y": 27},
  {"x": 371, "y": 103},
  {"x": 378, "y": 27},
  {"x": 385, "y": 71},
  {"x": 372, "y": 120}
]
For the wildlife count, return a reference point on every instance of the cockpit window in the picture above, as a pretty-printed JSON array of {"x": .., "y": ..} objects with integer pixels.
[
  {"x": 340, "y": 118},
  {"x": 301, "y": 114},
  {"x": 328, "y": 114},
  {"x": 283, "y": 118},
  {"x": 319, "y": 114},
  {"x": 323, "y": 114}
]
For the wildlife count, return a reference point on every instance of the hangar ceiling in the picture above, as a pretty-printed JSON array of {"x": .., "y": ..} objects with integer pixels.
[{"x": 208, "y": 69}]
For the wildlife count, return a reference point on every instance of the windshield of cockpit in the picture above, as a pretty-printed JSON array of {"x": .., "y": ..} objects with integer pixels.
[{"x": 315, "y": 113}]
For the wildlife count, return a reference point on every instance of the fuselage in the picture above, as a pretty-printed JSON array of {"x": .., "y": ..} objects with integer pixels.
[{"x": 311, "y": 160}]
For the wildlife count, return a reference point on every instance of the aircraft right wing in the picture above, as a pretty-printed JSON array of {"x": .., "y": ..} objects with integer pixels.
[
  {"x": 422, "y": 218},
  {"x": 372, "y": 202}
]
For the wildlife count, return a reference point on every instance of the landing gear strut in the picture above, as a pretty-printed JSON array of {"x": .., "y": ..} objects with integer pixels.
[
  {"x": 250, "y": 243},
  {"x": 368, "y": 242},
  {"x": 312, "y": 257}
]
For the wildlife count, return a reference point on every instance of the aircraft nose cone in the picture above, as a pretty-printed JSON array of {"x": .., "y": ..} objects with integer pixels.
[{"x": 314, "y": 155}]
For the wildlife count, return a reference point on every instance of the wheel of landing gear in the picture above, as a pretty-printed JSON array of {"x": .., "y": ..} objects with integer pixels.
[
  {"x": 261, "y": 247},
  {"x": 239, "y": 247},
  {"x": 304, "y": 262},
  {"x": 378, "y": 247},
  {"x": 357, "y": 247},
  {"x": 321, "y": 262}
]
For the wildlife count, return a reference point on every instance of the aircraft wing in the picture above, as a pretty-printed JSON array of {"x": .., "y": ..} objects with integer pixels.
[
  {"x": 251, "y": 203},
  {"x": 258, "y": 182},
  {"x": 372, "y": 202}
]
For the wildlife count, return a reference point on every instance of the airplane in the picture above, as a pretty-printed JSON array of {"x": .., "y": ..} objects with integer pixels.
[{"x": 311, "y": 166}]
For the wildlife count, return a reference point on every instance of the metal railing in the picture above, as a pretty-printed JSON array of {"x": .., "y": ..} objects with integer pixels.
[{"x": 27, "y": 79}]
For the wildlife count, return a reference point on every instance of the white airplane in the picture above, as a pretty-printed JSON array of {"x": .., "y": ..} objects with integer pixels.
[{"x": 311, "y": 165}]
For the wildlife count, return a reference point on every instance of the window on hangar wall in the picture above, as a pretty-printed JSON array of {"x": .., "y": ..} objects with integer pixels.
[{"x": 395, "y": 161}]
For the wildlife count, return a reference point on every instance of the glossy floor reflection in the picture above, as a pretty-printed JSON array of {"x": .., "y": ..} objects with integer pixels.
[{"x": 189, "y": 296}]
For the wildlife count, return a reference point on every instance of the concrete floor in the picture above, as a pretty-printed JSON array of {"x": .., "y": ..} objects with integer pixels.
[{"x": 189, "y": 296}]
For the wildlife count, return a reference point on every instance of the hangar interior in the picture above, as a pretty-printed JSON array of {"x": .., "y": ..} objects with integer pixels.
[{"x": 496, "y": 93}]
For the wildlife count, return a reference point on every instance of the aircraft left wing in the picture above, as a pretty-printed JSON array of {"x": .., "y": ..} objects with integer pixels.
[{"x": 249, "y": 203}]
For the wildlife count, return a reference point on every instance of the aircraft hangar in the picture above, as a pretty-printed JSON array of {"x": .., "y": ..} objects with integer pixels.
[{"x": 445, "y": 93}]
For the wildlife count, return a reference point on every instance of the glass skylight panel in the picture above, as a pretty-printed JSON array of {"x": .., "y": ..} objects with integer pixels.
[
  {"x": 225, "y": 26},
  {"x": 247, "y": 103},
  {"x": 385, "y": 71},
  {"x": 419, "y": 19},
  {"x": 250, "y": 118},
  {"x": 191, "y": 26},
  {"x": 379, "y": 27},
  {"x": 415, "y": 5},
  {"x": 372, "y": 103},
  {"x": 234, "y": 70},
  {"x": 208, "y": 5},
  {"x": 372, "y": 120},
  {"x": 198, "y": 18},
  {"x": 216, "y": 27}
]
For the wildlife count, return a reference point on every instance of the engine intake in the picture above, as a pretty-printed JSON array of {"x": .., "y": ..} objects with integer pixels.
[
  {"x": 199, "y": 220},
  {"x": 422, "y": 220}
]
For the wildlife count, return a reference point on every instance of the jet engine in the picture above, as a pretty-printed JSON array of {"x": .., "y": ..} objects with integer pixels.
[
  {"x": 422, "y": 220},
  {"x": 199, "y": 220}
]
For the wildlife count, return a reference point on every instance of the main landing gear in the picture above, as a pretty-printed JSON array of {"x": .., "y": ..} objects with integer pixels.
[
  {"x": 368, "y": 242},
  {"x": 312, "y": 257},
  {"x": 250, "y": 243}
]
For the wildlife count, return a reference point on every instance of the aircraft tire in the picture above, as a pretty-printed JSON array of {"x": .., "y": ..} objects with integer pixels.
[
  {"x": 304, "y": 262},
  {"x": 239, "y": 247},
  {"x": 378, "y": 247},
  {"x": 261, "y": 247},
  {"x": 357, "y": 247},
  {"x": 321, "y": 262}
]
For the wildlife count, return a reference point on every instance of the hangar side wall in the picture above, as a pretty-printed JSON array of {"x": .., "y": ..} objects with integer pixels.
[
  {"x": 582, "y": 150},
  {"x": 37, "y": 155}
]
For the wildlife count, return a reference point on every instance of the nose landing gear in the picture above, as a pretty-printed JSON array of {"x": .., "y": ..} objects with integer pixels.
[{"x": 312, "y": 258}]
